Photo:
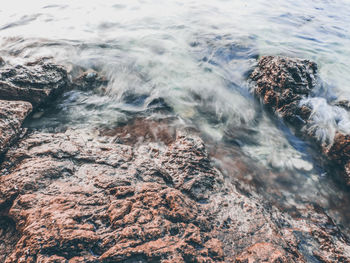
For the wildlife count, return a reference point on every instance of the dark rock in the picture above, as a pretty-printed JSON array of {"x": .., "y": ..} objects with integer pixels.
[
  {"x": 12, "y": 115},
  {"x": 89, "y": 80},
  {"x": 36, "y": 82},
  {"x": 339, "y": 153},
  {"x": 2, "y": 62},
  {"x": 340, "y": 149},
  {"x": 344, "y": 104}
]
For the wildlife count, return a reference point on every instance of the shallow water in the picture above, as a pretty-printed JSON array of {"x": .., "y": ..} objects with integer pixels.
[{"x": 188, "y": 61}]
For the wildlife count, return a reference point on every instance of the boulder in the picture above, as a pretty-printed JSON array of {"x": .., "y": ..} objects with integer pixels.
[
  {"x": 282, "y": 82},
  {"x": 36, "y": 82}
]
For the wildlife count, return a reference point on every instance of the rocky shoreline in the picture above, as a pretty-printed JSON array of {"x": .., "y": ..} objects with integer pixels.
[{"x": 81, "y": 197}]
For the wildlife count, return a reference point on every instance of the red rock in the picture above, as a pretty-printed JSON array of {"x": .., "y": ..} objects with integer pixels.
[
  {"x": 77, "y": 198},
  {"x": 282, "y": 82},
  {"x": 262, "y": 252}
]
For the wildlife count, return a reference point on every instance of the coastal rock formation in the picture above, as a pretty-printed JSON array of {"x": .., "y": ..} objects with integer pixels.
[
  {"x": 282, "y": 83},
  {"x": 139, "y": 193},
  {"x": 35, "y": 82},
  {"x": 75, "y": 197},
  {"x": 12, "y": 115}
]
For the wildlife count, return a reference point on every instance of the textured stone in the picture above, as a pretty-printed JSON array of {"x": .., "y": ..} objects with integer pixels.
[
  {"x": 282, "y": 82},
  {"x": 12, "y": 115},
  {"x": 36, "y": 82},
  {"x": 74, "y": 197}
]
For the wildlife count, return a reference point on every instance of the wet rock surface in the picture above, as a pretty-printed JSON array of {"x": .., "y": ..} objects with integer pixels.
[
  {"x": 12, "y": 115},
  {"x": 35, "y": 82},
  {"x": 146, "y": 192},
  {"x": 75, "y": 197},
  {"x": 127, "y": 204},
  {"x": 89, "y": 79},
  {"x": 282, "y": 83}
]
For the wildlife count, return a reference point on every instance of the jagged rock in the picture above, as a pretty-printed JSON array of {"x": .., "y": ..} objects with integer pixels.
[
  {"x": 282, "y": 83},
  {"x": 12, "y": 115},
  {"x": 36, "y": 82},
  {"x": 74, "y": 197}
]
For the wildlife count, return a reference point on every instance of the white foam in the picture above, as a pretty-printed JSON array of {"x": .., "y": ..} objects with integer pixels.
[{"x": 325, "y": 120}]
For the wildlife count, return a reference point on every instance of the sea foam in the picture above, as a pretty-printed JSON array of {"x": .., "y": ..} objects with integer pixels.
[{"x": 325, "y": 120}]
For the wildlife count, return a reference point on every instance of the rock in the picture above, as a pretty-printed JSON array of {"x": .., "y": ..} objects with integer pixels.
[
  {"x": 35, "y": 82},
  {"x": 344, "y": 104},
  {"x": 339, "y": 154},
  {"x": 262, "y": 252},
  {"x": 340, "y": 149},
  {"x": 89, "y": 80},
  {"x": 12, "y": 115},
  {"x": 139, "y": 131},
  {"x": 75, "y": 197},
  {"x": 2, "y": 62},
  {"x": 282, "y": 83}
]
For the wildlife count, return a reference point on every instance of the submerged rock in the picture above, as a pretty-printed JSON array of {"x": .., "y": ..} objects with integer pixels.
[
  {"x": 12, "y": 115},
  {"x": 282, "y": 83},
  {"x": 35, "y": 82},
  {"x": 88, "y": 80}
]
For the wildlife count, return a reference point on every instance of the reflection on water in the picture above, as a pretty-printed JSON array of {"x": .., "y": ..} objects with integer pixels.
[{"x": 189, "y": 61}]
